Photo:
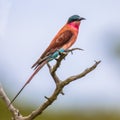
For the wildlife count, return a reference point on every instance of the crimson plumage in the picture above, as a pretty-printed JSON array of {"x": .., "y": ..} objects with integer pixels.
[{"x": 64, "y": 39}]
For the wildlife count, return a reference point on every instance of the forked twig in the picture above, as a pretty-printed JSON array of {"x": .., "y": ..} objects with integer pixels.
[{"x": 59, "y": 87}]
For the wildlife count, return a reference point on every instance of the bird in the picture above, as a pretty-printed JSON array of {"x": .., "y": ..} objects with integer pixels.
[{"x": 63, "y": 40}]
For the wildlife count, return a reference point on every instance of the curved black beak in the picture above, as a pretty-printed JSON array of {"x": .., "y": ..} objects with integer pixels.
[{"x": 81, "y": 18}]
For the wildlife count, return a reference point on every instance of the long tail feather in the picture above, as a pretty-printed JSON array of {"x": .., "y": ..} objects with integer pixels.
[
  {"x": 30, "y": 78},
  {"x": 39, "y": 61}
]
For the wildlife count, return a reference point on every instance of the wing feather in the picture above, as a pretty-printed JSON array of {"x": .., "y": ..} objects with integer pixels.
[{"x": 56, "y": 44}]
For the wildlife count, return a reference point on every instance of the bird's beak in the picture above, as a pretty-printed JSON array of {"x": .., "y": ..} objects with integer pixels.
[{"x": 81, "y": 18}]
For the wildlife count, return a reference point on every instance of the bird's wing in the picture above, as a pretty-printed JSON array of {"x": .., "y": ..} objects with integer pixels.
[
  {"x": 60, "y": 40},
  {"x": 63, "y": 39}
]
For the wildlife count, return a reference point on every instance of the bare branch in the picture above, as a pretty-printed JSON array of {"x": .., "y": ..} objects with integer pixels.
[
  {"x": 53, "y": 74},
  {"x": 76, "y": 77},
  {"x": 58, "y": 90},
  {"x": 15, "y": 113},
  {"x": 58, "y": 62}
]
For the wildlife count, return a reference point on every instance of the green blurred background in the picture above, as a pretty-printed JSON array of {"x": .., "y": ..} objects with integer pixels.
[
  {"x": 26, "y": 29},
  {"x": 64, "y": 114}
]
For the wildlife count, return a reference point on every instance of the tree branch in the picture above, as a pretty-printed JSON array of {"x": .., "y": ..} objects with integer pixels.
[
  {"x": 60, "y": 84},
  {"x": 58, "y": 63},
  {"x": 76, "y": 77},
  {"x": 15, "y": 112},
  {"x": 59, "y": 87}
]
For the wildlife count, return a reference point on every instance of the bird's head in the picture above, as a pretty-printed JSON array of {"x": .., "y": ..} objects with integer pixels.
[{"x": 75, "y": 20}]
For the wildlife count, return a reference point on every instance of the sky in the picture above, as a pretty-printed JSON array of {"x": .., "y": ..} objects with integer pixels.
[{"x": 26, "y": 29}]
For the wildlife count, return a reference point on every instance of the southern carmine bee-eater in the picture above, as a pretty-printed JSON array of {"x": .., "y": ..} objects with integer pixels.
[{"x": 64, "y": 39}]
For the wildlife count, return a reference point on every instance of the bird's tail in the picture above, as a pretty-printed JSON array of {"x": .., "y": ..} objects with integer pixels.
[{"x": 30, "y": 78}]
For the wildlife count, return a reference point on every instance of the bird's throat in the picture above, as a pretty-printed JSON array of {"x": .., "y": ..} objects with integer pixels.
[{"x": 75, "y": 25}]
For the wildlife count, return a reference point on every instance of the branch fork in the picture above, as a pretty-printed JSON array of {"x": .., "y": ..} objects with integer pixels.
[{"x": 60, "y": 84}]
